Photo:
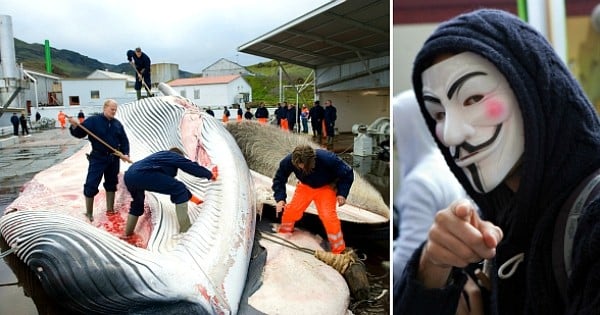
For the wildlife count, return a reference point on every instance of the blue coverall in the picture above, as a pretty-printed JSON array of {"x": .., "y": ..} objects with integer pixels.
[
  {"x": 157, "y": 173},
  {"x": 102, "y": 160}
]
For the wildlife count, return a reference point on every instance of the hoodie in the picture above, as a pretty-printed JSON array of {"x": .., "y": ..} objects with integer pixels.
[{"x": 562, "y": 147}]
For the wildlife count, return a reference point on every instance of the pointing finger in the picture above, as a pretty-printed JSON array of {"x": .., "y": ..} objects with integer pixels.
[{"x": 492, "y": 235}]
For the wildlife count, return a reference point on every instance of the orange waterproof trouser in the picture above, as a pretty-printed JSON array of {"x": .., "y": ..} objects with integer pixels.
[
  {"x": 283, "y": 123},
  {"x": 325, "y": 201},
  {"x": 262, "y": 120}
]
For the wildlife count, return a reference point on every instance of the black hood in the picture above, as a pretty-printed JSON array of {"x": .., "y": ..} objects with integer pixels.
[{"x": 561, "y": 127}]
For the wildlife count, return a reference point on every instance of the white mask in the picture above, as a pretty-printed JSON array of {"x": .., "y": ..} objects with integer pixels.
[{"x": 477, "y": 117}]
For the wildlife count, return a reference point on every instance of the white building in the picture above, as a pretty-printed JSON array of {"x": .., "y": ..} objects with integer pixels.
[
  {"x": 97, "y": 87},
  {"x": 224, "y": 67},
  {"x": 88, "y": 94},
  {"x": 44, "y": 89},
  {"x": 214, "y": 92}
]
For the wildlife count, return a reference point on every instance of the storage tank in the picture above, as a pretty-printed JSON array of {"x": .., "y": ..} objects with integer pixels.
[
  {"x": 10, "y": 78},
  {"x": 164, "y": 72}
]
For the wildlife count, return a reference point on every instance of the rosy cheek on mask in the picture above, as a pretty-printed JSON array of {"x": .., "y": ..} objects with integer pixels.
[{"x": 494, "y": 109}]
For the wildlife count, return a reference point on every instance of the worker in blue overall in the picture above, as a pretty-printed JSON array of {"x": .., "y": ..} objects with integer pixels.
[
  {"x": 157, "y": 173},
  {"x": 141, "y": 62},
  {"x": 109, "y": 144}
]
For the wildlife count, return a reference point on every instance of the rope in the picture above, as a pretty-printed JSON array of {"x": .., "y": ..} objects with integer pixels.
[
  {"x": 9, "y": 284},
  {"x": 348, "y": 149},
  {"x": 283, "y": 242},
  {"x": 514, "y": 263},
  {"x": 339, "y": 262}
]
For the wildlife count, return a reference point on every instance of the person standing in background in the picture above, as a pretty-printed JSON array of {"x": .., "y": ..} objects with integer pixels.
[
  {"x": 262, "y": 114},
  {"x": 62, "y": 119},
  {"x": 292, "y": 117},
  {"x": 248, "y": 115},
  {"x": 315, "y": 114},
  {"x": 81, "y": 116},
  {"x": 14, "y": 119},
  {"x": 423, "y": 183},
  {"x": 304, "y": 118},
  {"x": 329, "y": 117},
  {"x": 240, "y": 113},
  {"x": 226, "y": 114},
  {"x": 23, "y": 121},
  {"x": 282, "y": 115}
]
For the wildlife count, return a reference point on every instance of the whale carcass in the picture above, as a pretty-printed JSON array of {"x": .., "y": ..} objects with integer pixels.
[{"x": 91, "y": 270}]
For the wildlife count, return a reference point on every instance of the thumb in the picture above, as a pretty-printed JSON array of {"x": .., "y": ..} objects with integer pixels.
[{"x": 492, "y": 234}]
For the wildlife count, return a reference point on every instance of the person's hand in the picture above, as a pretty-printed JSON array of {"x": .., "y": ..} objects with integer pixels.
[
  {"x": 279, "y": 207},
  {"x": 132, "y": 62},
  {"x": 457, "y": 238},
  {"x": 140, "y": 77},
  {"x": 215, "y": 173},
  {"x": 125, "y": 157},
  {"x": 341, "y": 200},
  {"x": 122, "y": 156},
  {"x": 73, "y": 121}
]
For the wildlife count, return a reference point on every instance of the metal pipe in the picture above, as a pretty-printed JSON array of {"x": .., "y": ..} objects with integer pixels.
[{"x": 35, "y": 86}]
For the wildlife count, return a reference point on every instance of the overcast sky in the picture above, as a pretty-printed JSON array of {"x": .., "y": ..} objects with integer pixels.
[{"x": 191, "y": 33}]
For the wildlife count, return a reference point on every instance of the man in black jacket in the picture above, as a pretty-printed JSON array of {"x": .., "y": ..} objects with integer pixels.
[
  {"x": 315, "y": 114},
  {"x": 330, "y": 116},
  {"x": 141, "y": 62},
  {"x": 14, "y": 119}
]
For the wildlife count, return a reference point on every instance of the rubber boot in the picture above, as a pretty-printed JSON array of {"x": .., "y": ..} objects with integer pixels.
[
  {"x": 131, "y": 223},
  {"x": 110, "y": 202},
  {"x": 138, "y": 93},
  {"x": 182, "y": 217},
  {"x": 89, "y": 208}
]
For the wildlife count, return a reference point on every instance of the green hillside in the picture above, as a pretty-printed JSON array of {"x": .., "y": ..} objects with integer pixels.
[
  {"x": 265, "y": 82},
  {"x": 66, "y": 63}
]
